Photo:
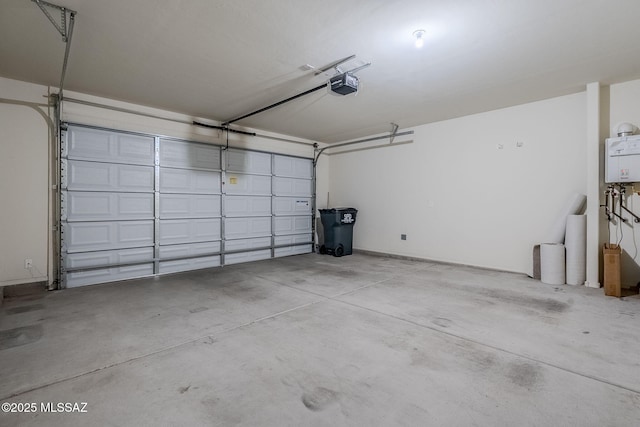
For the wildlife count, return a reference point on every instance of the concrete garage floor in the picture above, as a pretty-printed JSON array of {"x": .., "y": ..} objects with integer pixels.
[{"x": 317, "y": 340}]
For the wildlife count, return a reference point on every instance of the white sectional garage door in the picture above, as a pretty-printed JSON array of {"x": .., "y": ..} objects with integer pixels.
[{"x": 137, "y": 205}]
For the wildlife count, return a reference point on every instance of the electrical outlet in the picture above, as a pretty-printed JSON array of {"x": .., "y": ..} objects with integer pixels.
[
  {"x": 28, "y": 263},
  {"x": 403, "y": 237}
]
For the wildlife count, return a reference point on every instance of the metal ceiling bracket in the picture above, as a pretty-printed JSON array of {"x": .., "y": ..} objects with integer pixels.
[
  {"x": 394, "y": 130},
  {"x": 363, "y": 66},
  {"x": 334, "y": 64},
  {"x": 62, "y": 28},
  {"x": 66, "y": 31}
]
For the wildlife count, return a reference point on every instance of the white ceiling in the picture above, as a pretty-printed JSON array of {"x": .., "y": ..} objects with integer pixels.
[{"x": 222, "y": 59}]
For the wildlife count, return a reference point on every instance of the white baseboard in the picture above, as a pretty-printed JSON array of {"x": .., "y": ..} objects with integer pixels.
[{"x": 23, "y": 281}]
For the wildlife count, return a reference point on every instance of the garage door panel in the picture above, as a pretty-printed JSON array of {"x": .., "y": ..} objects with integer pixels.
[
  {"x": 189, "y": 181},
  {"x": 92, "y": 176},
  {"x": 190, "y": 264},
  {"x": 295, "y": 239},
  {"x": 257, "y": 185},
  {"x": 247, "y": 206},
  {"x": 189, "y": 206},
  {"x": 189, "y": 250},
  {"x": 192, "y": 155},
  {"x": 291, "y": 187},
  {"x": 104, "y": 275},
  {"x": 98, "y": 236},
  {"x": 240, "y": 257},
  {"x": 135, "y": 149},
  {"x": 102, "y": 258},
  {"x": 292, "y": 167},
  {"x": 132, "y": 233},
  {"x": 102, "y": 145},
  {"x": 292, "y": 250},
  {"x": 248, "y": 161},
  {"x": 239, "y": 228},
  {"x": 292, "y": 225},
  {"x": 84, "y": 143},
  {"x": 93, "y": 206},
  {"x": 174, "y": 231},
  {"x": 292, "y": 206},
  {"x": 299, "y": 244},
  {"x": 247, "y": 244}
]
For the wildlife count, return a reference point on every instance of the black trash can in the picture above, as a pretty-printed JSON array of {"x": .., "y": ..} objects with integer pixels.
[{"x": 338, "y": 230}]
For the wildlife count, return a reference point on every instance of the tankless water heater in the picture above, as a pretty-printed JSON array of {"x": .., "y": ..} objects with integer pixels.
[{"x": 622, "y": 159}]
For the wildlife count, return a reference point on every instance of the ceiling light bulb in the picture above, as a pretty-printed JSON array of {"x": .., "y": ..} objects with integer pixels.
[{"x": 419, "y": 35}]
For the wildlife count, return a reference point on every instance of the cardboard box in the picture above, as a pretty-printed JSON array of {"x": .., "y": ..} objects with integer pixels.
[{"x": 611, "y": 257}]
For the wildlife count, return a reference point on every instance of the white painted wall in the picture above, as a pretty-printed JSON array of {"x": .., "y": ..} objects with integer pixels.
[
  {"x": 24, "y": 163},
  {"x": 24, "y": 137},
  {"x": 625, "y": 107},
  {"x": 457, "y": 196}
]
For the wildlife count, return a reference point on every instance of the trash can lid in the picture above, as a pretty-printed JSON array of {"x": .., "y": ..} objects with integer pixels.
[{"x": 332, "y": 210}]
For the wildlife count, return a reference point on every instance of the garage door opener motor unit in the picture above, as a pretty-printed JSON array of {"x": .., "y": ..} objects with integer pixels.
[{"x": 344, "y": 84}]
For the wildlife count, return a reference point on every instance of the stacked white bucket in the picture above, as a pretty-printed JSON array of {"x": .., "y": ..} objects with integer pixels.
[{"x": 563, "y": 257}]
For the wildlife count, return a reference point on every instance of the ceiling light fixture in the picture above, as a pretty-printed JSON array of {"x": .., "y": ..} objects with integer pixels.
[{"x": 419, "y": 35}]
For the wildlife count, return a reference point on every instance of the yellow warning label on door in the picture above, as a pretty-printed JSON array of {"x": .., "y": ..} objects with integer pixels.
[{"x": 233, "y": 180}]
